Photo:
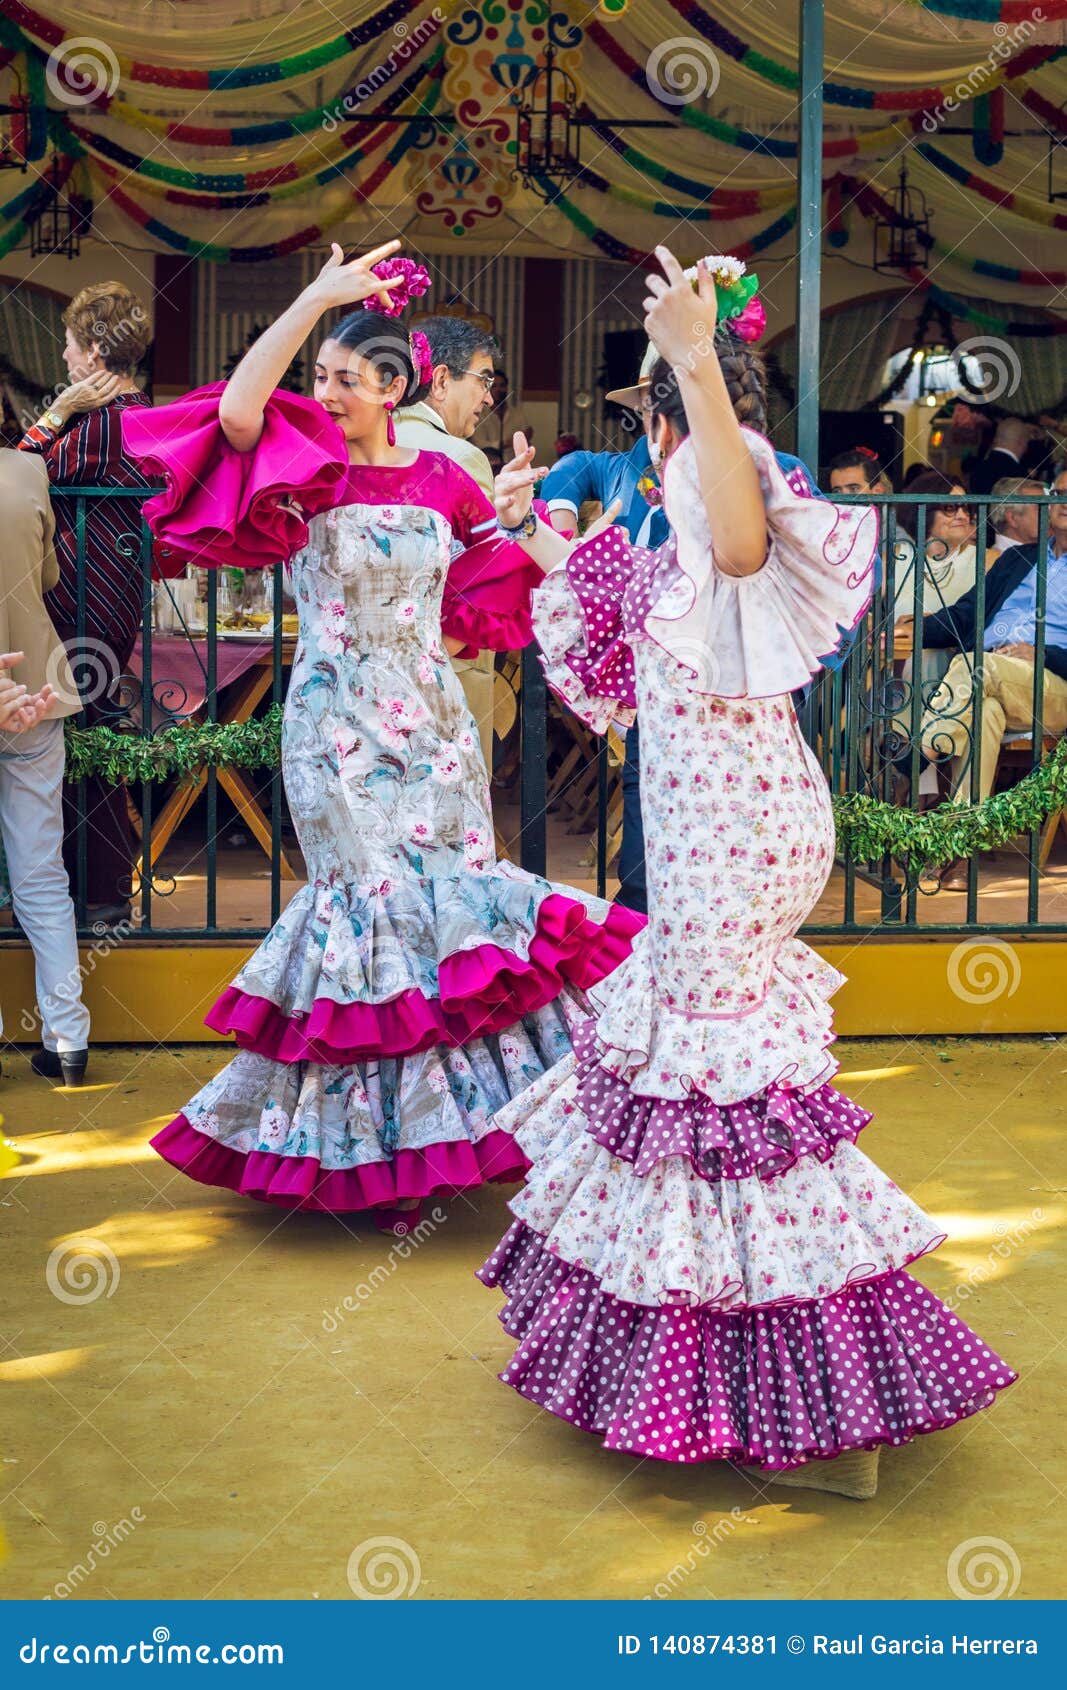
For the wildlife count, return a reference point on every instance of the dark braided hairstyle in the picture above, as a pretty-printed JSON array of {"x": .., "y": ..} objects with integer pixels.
[{"x": 743, "y": 372}]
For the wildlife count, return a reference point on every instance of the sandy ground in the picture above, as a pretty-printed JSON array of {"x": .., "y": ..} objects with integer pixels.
[{"x": 193, "y": 1413}]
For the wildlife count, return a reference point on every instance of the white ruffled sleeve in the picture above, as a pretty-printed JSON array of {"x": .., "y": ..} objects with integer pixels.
[{"x": 762, "y": 635}]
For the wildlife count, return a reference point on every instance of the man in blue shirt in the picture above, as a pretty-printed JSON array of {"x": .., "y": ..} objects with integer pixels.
[
  {"x": 583, "y": 477},
  {"x": 577, "y": 479},
  {"x": 1006, "y": 675}
]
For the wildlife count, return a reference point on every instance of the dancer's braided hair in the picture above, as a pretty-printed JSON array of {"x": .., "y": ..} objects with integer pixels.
[{"x": 743, "y": 372}]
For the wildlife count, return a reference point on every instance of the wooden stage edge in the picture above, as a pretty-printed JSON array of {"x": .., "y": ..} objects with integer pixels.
[{"x": 157, "y": 993}]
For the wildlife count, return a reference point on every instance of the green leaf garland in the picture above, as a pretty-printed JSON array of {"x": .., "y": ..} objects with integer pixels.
[{"x": 867, "y": 828}]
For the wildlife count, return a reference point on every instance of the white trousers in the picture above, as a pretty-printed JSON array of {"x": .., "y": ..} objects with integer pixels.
[{"x": 31, "y": 825}]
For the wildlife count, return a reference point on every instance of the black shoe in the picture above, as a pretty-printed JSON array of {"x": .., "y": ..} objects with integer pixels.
[
  {"x": 70, "y": 1065},
  {"x": 103, "y": 918}
]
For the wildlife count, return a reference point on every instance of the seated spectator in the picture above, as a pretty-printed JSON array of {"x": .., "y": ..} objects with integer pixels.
[
  {"x": 1007, "y": 670},
  {"x": 1014, "y": 525},
  {"x": 80, "y": 439},
  {"x": 31, "y": 765},
  {"x": 950, "y": 548},
  {"x": 858, "y": 471},
  {"x": 1005, "y": 457}
]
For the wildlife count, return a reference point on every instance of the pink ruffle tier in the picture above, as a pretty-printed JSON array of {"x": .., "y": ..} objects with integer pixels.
[
  {"x": 482, "y": 991},
  {"x": 877, "y": 1363},
  {"x": 764, "y": 1135},
  {"x": 299, "y": 1182}
]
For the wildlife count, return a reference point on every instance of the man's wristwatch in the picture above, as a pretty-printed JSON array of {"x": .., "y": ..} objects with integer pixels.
[
  {"x": 53, "y": 419},
  {"x": 526, "y": 529}
]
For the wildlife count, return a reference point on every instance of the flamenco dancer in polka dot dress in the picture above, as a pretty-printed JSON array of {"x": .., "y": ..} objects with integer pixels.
[{"x": 703, "y": 1265}]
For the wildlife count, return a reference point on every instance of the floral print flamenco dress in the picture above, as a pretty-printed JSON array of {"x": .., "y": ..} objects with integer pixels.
[
  {"x": 416, "y": 984},
  {"x": 703, "y": 1265}
]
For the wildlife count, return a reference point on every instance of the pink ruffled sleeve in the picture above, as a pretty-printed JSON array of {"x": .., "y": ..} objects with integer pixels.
[
  {"x": 490, "y": 582},
  {"x": 579, "y": 625},
  {"x": 245, "y": 509}
]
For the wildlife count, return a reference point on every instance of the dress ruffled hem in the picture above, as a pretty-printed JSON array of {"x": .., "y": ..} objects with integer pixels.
[
  {"x": 299, "y": 1182},
  {"x": 875, "y": 1364},
  {"x": 676, "y": 1238},
  {"x": 481, "y": 991},
  {"x": 763, "y": 1136},
  {"x": 785, "y": 1040}
]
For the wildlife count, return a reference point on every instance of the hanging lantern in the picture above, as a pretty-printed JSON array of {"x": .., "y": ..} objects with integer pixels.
[
  {"x": 902, "y": 239},
  {"x": 64, "y": 218},
  {"x": 548, "y": 130}
]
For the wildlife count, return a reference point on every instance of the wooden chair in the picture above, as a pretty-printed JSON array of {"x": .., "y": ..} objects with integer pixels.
[{"x": 1016, "y": 758}]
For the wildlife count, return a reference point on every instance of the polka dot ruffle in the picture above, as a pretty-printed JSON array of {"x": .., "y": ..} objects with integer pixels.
[{"x": 876, "y": 1364}]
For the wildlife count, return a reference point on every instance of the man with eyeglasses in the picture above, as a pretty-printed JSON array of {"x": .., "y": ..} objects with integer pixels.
[
  {"x": 1006, "y": 672},
  {"x": 442, "y": 417}
]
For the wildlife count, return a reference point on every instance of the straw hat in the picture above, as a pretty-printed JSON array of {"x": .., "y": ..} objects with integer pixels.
[{"x": 631, "y": 396}]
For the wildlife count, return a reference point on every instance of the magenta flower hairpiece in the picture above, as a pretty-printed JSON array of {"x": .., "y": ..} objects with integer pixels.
[
  {"x": 421, "y": 356},
  {"x": 416, "y": 281},
  {"x": 750, "y": 323}
]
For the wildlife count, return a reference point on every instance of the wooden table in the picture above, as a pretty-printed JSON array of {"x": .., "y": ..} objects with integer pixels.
[{"x": 236, "y": 704}]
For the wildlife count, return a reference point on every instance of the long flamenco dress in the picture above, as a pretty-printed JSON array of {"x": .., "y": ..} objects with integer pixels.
[
  {"x": 416, "y": 984},
  {"x": 703, "y": 1265}
]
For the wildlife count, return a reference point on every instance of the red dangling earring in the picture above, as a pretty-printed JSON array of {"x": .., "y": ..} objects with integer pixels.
[{"x": 390, "y": 431}]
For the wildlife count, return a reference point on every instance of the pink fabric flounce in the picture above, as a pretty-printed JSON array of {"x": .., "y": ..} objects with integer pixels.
[
  {"x": 487, "y": 597},
  {"x": 877, "y": 1363},
  {"x": 223, "y": 507},
  {"x": 763, "y": 1136},
  {"x": 482, "y": 991},
  {"x": 299, "y": 1182}
]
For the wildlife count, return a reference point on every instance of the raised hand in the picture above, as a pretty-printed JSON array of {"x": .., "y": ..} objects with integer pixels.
[
  {"x": 514, "y": 485},
  {"x": 679, "y": 319},
  {"x": 338, "y": 283}
]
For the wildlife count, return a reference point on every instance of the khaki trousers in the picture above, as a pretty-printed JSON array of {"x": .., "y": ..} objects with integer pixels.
[
  {"x": 477, "y": 677},
  {"x": 1007, "y": 707}
]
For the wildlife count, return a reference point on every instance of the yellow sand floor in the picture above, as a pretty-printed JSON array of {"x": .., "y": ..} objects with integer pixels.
[{"x": 187, "y": 1409}]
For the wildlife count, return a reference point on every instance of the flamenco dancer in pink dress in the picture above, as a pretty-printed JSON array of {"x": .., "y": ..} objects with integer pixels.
[
  {"x": 703, "y": 1265},
  {"x": 416, "y": 984}
]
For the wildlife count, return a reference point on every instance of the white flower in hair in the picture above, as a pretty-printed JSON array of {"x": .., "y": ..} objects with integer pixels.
[{"x": 725, "y": 271}]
